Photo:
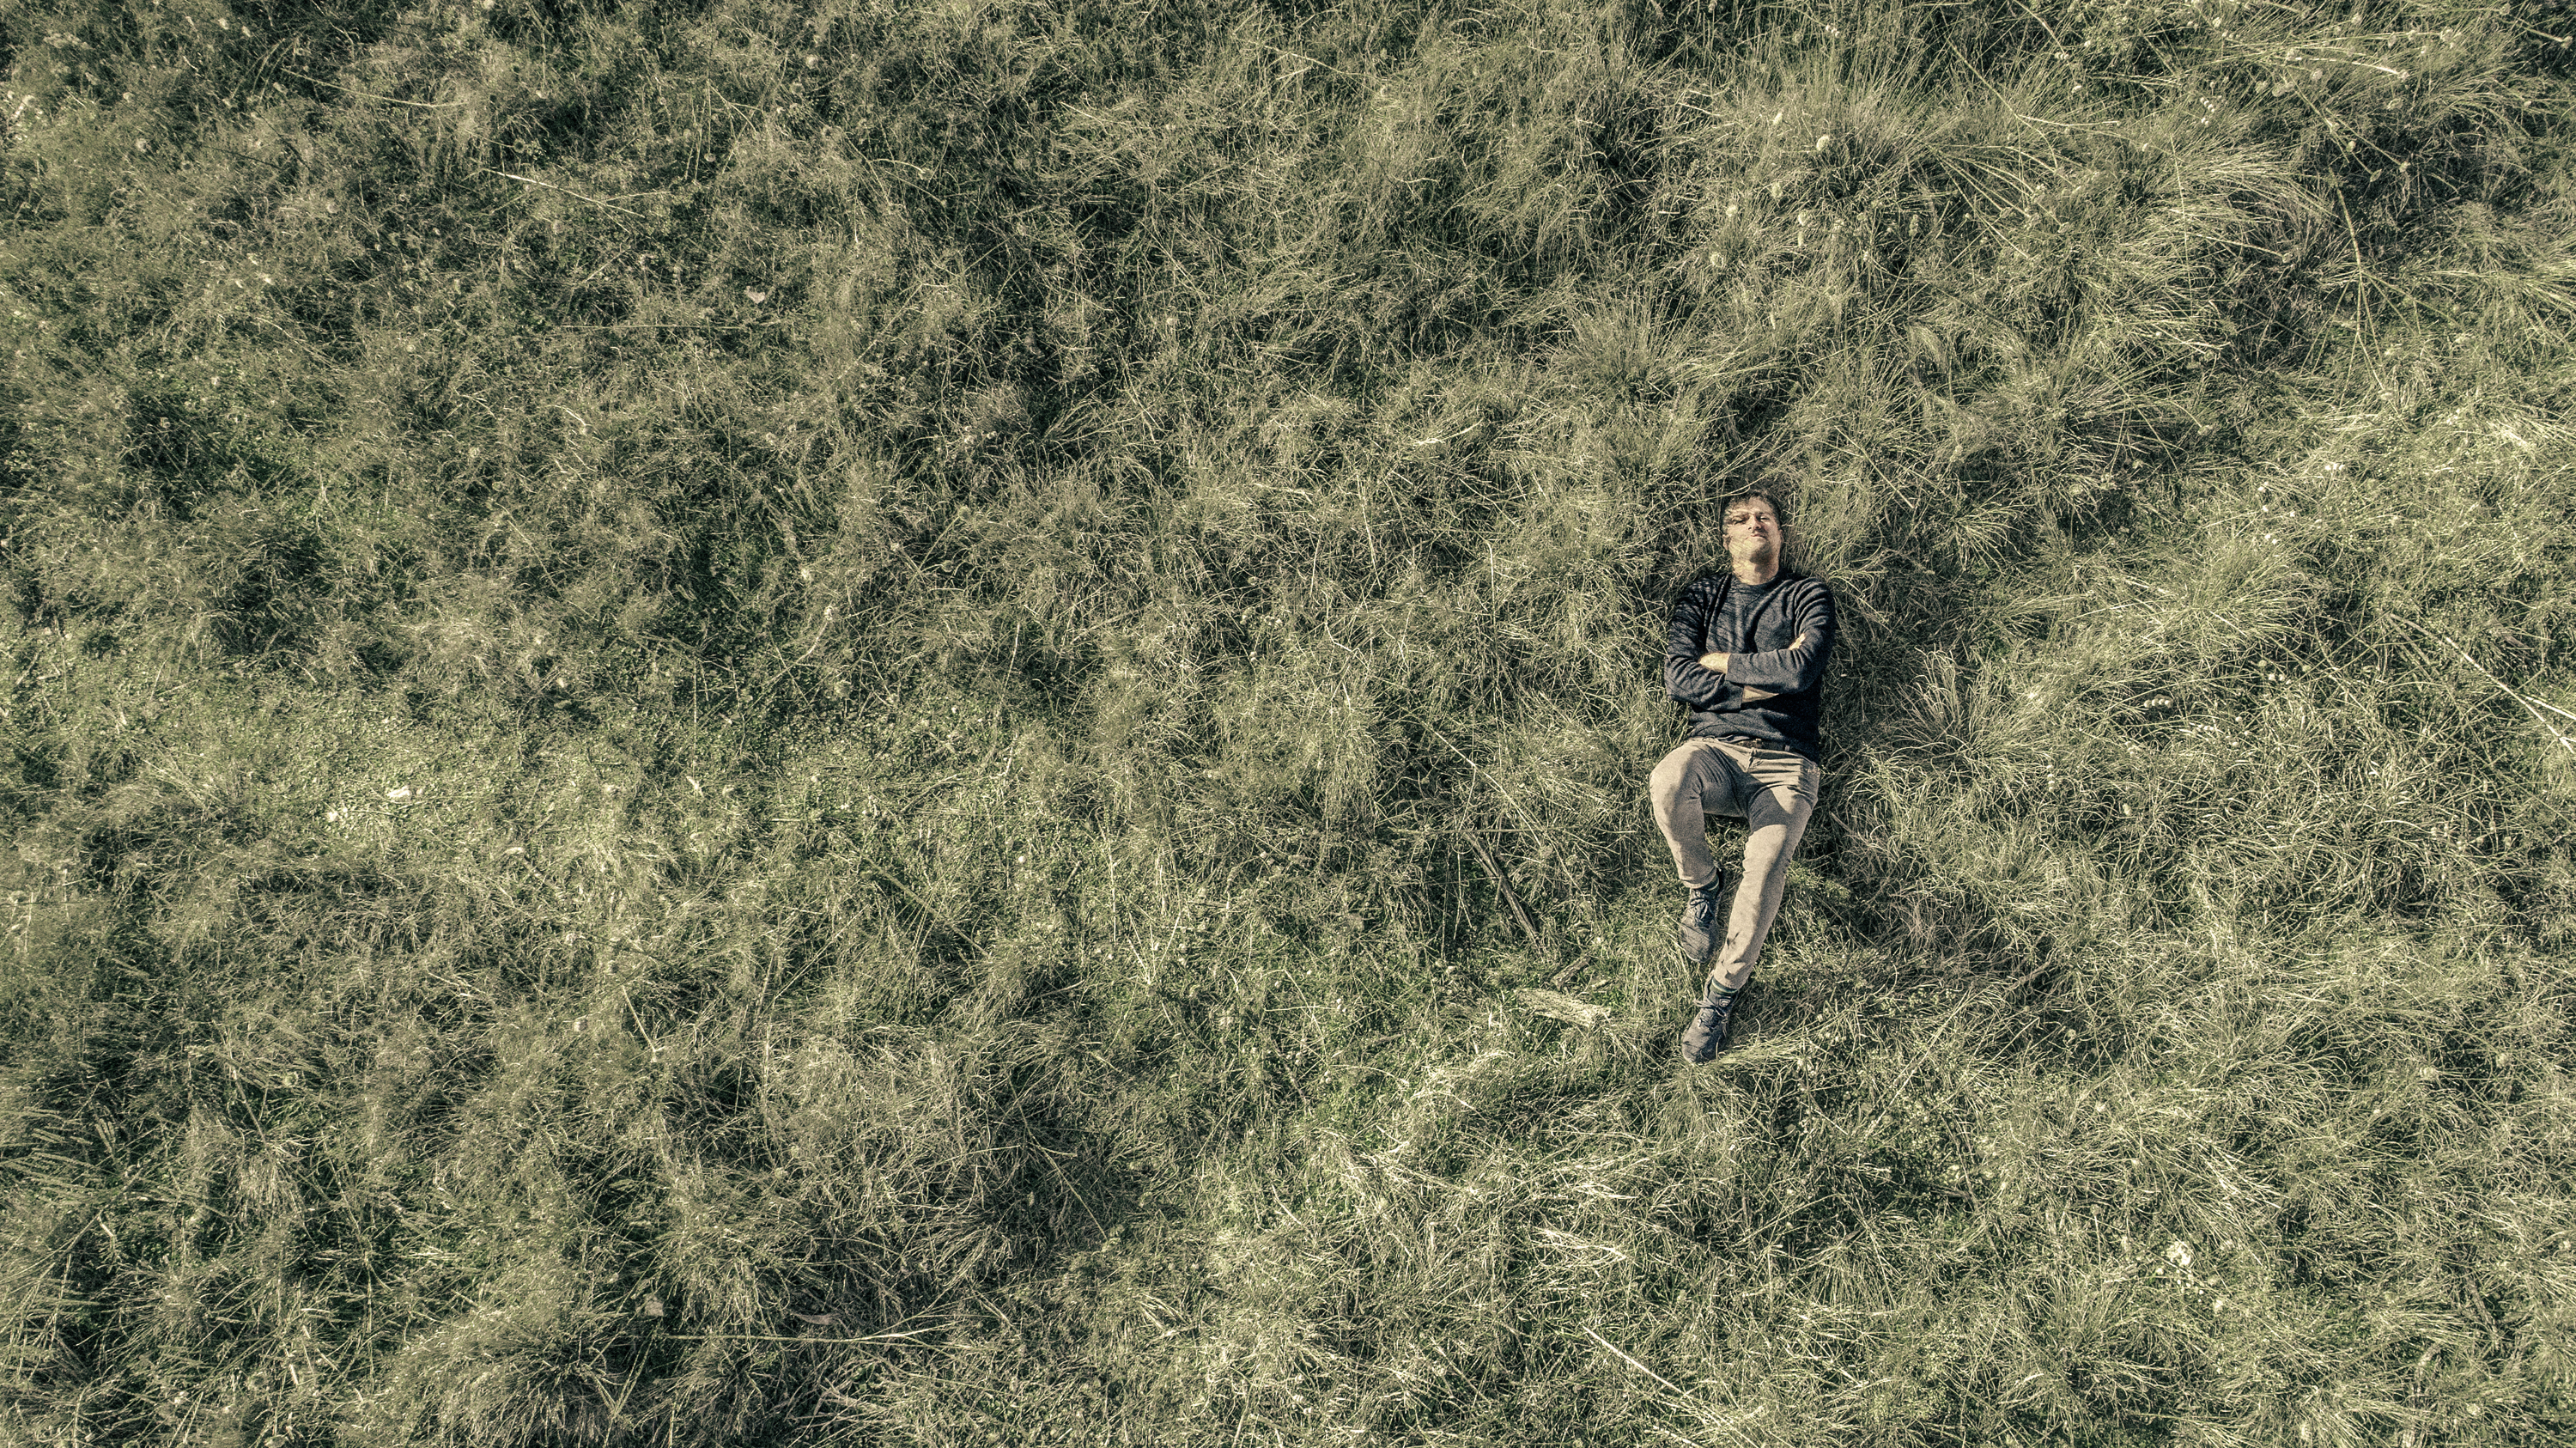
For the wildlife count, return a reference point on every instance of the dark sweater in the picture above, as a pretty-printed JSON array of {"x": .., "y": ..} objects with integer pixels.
[{"x": 1771, "y": 693}]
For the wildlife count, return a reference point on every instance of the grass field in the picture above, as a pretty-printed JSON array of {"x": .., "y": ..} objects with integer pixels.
[{"x": 859, "y": 723}]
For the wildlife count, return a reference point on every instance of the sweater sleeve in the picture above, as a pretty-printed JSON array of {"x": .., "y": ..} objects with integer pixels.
[
  {"x": 1798, "y": 668},
  {"x": 1684, "y": 679}
]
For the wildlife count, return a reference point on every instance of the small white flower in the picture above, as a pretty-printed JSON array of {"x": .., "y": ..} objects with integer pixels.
[
  {"x": 331, "y": 816},
  {"x": 399, "y": 792},
  {"x": 2178, "y": 1252}
]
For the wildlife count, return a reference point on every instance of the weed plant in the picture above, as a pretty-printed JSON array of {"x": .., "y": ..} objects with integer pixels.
[{"x": 873, "y": 724}]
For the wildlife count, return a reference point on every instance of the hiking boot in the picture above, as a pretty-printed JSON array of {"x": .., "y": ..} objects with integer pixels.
[
  {"x": 1697, "y": 935},
  {"x": 1706, "y": 1032}
]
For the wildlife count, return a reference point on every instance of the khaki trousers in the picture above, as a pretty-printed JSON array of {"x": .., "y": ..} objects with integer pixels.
[{"x": 1772, "y": 791}]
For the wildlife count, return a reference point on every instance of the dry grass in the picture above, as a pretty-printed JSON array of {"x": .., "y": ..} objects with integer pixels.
[{"x": 862, "y": 725}]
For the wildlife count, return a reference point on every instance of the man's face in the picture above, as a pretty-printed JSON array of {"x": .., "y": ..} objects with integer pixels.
[{"x": 1752, "y": 531}]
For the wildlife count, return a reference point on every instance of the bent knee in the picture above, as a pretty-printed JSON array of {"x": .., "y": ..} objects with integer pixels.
[{"x": 1671, "y": 775}]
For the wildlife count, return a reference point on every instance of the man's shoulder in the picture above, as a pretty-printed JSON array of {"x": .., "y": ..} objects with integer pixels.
[
  {"x": 1704, "y": 586},
  {"x": 1786, "y": 582},
  {"x": 1720, "y": 580}
]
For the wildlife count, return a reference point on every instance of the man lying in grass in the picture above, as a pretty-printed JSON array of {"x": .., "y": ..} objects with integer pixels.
[{"x": 1748, "y": 657}]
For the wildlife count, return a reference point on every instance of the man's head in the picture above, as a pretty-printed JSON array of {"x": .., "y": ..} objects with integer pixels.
[{"x": 1753, "y": 525}]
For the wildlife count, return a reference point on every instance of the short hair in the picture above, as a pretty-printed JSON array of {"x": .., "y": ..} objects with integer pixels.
[{"x": 1758, "y": 493}]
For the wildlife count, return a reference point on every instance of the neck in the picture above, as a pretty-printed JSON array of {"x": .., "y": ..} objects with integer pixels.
[{"x": 1757, "y": 574}]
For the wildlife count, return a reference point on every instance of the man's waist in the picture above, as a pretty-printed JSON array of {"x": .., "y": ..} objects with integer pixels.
[{"x": 1803, "y": 742}]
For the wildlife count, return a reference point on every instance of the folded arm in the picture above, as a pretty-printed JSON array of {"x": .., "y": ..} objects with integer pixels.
[
  {"x": 1688, "y": 676},
  {"x": 1799, "y": 667}
]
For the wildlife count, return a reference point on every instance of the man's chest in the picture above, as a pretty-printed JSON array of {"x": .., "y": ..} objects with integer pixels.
[{"x": 1750, "y": 620}]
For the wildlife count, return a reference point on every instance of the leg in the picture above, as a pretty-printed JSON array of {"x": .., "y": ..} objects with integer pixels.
[
  {"x": 1701, "y": 776},
  {"x": 1775, "y": 819},
  {"x": 1681, "y": 790}
]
